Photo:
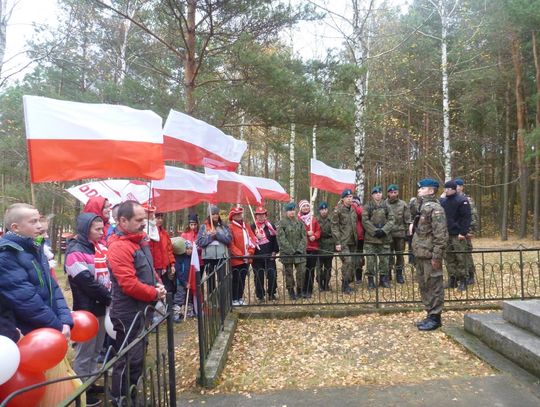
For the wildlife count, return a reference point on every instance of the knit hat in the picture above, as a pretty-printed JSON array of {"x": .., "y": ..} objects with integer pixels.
[
  {"x": 346, "y": 192},
  {"x": 376, "y": 189},
  {"x": 428, "y": 182},
  {"x": 459, "y": 181},
  {"x": 214, "y": 210},
  {"x": 323, "y": 205},
  {"x": 193, "y": 218},
  {"x": 451, "y": 184},
  {"x": 179, "y": 245},
  {"x": 392, "y": 187},
  {"x": 235, "y": 210},
  {"x": 291, "y": 206},
  {"x": 302, "y": 203},
  {"x": 260, "y": 210}
]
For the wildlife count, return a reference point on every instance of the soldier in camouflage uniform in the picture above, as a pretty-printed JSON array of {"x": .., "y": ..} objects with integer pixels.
[
  {"x": 402, "y": 215},
  {"x": 430, "y": 237},
  {"x": 292, "y": 241},
  {"x": 414, "y": 204},
  {"x": 473, "y": 230},
  {"x": 327, "y": 245},
  {"x": 378, "y": 222},
  {"x": 344, "y": 232}
]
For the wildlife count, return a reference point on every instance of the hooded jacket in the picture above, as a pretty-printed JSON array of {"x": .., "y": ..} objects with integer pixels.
[
  {"x": 95, "y": 205},
  {"x": 27, "y": 288},
  {"x": 89, "y": 294},
  {"x": 162, "y": 251}
]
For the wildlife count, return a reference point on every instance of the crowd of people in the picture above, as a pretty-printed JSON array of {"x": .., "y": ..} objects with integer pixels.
[{"x": 122, "y": 259}]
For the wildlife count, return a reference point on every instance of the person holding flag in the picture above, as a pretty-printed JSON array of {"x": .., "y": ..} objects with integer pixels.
[{"x": 313, "y": 231}]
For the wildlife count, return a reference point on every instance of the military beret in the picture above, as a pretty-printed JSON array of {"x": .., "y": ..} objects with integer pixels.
[
  {"x": 291, "y": 206},
  {"x": 376, "y": 189},
  {"x": 450, "y": 184},
  {"x": 428, "y": 182},
  {"x": 323, "y": 205},
  {"x": 459, "y": 181},
  {"x": 392, "y": 187},
  {"x": 346, "y": 192}
]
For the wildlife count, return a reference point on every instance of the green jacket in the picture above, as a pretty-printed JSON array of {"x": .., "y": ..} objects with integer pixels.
[
  {"x": 344, "y": 225},
  {"x": 292, "y": 240},
  {"x": 327, "y": 243},
  {"x": 402, "y": 215},
  {"x": 377, "y": 217},
  {"x": 431, "y": 234}
]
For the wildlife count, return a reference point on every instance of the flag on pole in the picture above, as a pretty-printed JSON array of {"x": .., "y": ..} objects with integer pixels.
[
  {"x": 71, "y": 141},
  {"x": 330, "y": 179},
  {"x": 194, "y": 142},
  {"x": 193, "y": 268},
  {"x": 114, "y": 190},
  {"x": 269, "y": 188},
  {"x": 234, "y": 188},
  {"x": 183, "y": 188}
]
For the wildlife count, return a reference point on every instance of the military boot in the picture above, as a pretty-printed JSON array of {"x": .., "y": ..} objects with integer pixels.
[
  {"x": 433, "y": 322},
  {"x": 462, "y": 284},
  {"x": 292, "y": 294},
  {"x": 358, "y": 275},
  {"x": 383, "y": 282},
  {"x": 399, "y": 277},
  {"x": 452, "y": 282},
  {"x": 371, "y": 283}
]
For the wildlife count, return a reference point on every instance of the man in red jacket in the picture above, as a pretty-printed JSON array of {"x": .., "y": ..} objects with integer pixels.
[
  {"x": 162, "y": 253},
  {"x": 135, "y": 286}
]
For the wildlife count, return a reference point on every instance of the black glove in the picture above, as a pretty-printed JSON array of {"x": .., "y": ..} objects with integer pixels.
[{"x": 379, "y": 234}]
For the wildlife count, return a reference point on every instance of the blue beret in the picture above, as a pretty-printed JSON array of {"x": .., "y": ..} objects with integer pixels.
[
  {"x": 450, "y": 184},
  {"x": 376, "y": 189},
  {"x": 392, "y": 187},
  {"x": 428, "y": 182},
  {"x": 346, "y": 192},
  {"x": 459, "y": 181},
  {"x": 323, "y": 205},
  {"x": 291, "y": 206}
]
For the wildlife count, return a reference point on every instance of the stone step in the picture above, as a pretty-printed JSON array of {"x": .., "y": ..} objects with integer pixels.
[
  {"x": 525, "y": 314},
  {"x": 517, "y": 344}
]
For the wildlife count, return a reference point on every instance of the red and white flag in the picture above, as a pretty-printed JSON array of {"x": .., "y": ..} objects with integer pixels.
[
  {"x": 269, "y": 188},
  {"x": 331, "y": 179},
  {"x": 115, "y": 190},
  {"x": 234, "y": 188},
  {"x": 71, "y": 141},
  {"x": 183, "y": 188},
  {"x": 193, "y": 268},
  {"x": 194, "y": 142}
]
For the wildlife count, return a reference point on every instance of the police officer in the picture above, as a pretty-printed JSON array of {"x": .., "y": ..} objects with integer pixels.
[
  {"x": 292, "y": 241},
  {"x": 344, "y": 232},
  {"x": 378, "y": 222},
  {"x": 327, "y": 246},
  {"x": 402, "y": 215},
  {"x": 472, "y": 231},
  {"x": 430, "y": 237},
  {"x": 458, "y": 217}
]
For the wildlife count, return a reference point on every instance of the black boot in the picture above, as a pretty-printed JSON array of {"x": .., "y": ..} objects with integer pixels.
[
  {"x": 433, "y": 322},
  {"x": 399, "y": 277},
  {"x": 371, "y": 283},
  {"x": 383, "y": 282},
  {"x": 345, "y": 288},
  {"x": 462, "y": 284},
  {"x": 292, "y": 294},
  {"x": 472, "y": 279},
  {"x": 390, "y": 275},
  {"x": 452, "y": 282},
  {"x": 358, "y": 274}
]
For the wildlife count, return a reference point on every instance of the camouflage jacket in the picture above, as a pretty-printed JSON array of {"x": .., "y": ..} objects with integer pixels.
[
  {"x": 402, "y": 215},
  {"x": 377, "y": 217},
  {"x": 475, "y": 220},
  {"x": 327, "y": 243},
  {"x": 431, "y": 233},
  {"x": 292, "y": 239},
  {"x": 344, "y": 225}
]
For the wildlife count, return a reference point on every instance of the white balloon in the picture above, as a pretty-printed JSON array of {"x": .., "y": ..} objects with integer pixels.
[
  {"x": 10, "y": 357},
  {"x": 109, "y": 325}
]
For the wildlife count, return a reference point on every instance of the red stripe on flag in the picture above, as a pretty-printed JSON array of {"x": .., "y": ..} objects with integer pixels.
[
  {"x": 234, "y": 192},
  {"x": 173, "y": 200},
  {"x": 69, "y": 160},
  {"x": 182, "y": 151},
  {"x": 275, "y": 195},
  {"x": 329, "y": 184}
]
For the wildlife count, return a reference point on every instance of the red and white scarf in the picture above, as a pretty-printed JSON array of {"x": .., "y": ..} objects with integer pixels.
[
  {"x": 248, "y": 242},
  {"x": 260, "y": 227},
  {"x": 306, "y": 218}
]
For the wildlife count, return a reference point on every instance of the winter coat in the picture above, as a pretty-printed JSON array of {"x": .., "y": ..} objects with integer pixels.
[
  {"x": 431, "y": 234},
  {"x": 359, "y": 226},
  {"x": 316, "y": 229},
  {"x": 133, "y": 276},
  {"x": 238, "y": 246},
  {"x": 292, "y": 240},
  {"x": 458, "y": 214},
  {"x": 27, "y": 288},
  {"x": 89, "y": 293},
  {"x": 214, "y": 246},
  {"x": 344, "y": 225},
  {"x": 95, "y": 205},
  {"x": 162, "y": 251},
  {"x": 402, "y": 217}
]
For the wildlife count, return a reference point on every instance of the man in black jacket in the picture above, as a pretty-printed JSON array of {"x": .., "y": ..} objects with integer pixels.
[{"x": 458, "y": 218}]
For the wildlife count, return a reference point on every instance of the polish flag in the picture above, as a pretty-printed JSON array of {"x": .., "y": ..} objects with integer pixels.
[
  {"x": 183, "y": 188},
  {"x": 269, "y": 188},
  {"x": 193, "y": 268},
  {"x": 114, "y": 190},
  {"x": 331, "y": 179},
  {"x": 71, "y": 141},
  {"x": 234, "y": 188},
  {"x": 195, "y": 142}
]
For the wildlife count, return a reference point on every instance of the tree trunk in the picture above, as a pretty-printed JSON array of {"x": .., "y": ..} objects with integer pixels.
[
  {"x": 505, "y": 200},
  {"x": 3, "y": 26},
  {"x": 447, "y": 152},
  {"x": 521, "y": 130},
  {"x": 292, "y": 175},
  {"x": 189, "y": 62},
  {"x": 313, "y": 194},
  {"x": 536, "y": 202}
]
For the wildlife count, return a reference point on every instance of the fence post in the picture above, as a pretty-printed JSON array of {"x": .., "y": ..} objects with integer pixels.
[
  {"x": 200, "y": 325},
  {"x": 170, "y": 350},
  {"x": 521, "y": 274}
]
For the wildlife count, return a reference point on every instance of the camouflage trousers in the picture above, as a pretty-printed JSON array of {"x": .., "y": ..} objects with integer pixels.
[
  {"x": 377, "y": 263},
  {"x": 431, "y": 286},
  {"x": 300, "y": 275},
  {"x": 469, "y": 262},
  {"x": 397, "y": 246},
  {"x": 348, "y": 264},
  {"x": 456, "y": 262}
]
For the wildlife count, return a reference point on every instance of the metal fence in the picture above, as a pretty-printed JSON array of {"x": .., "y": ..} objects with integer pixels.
[{"x": 157, "y": 384}]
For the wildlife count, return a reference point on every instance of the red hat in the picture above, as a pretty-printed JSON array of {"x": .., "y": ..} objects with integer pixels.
[
  {"x": 148, "y": 208},
  {"x": 235, "y": 210},
  {"x": 260, "y": 210}
]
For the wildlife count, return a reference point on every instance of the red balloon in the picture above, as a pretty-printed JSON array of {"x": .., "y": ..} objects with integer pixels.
[
  {"x": 23, "y": 379},
  {"x": 85, "y": 326},
  {"x": 42, "y": 349}
]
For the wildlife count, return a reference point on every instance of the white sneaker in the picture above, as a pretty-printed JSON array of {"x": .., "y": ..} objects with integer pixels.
[
  {"x": 241, "y": 302},
  {"x": 235, "y": 303}
]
